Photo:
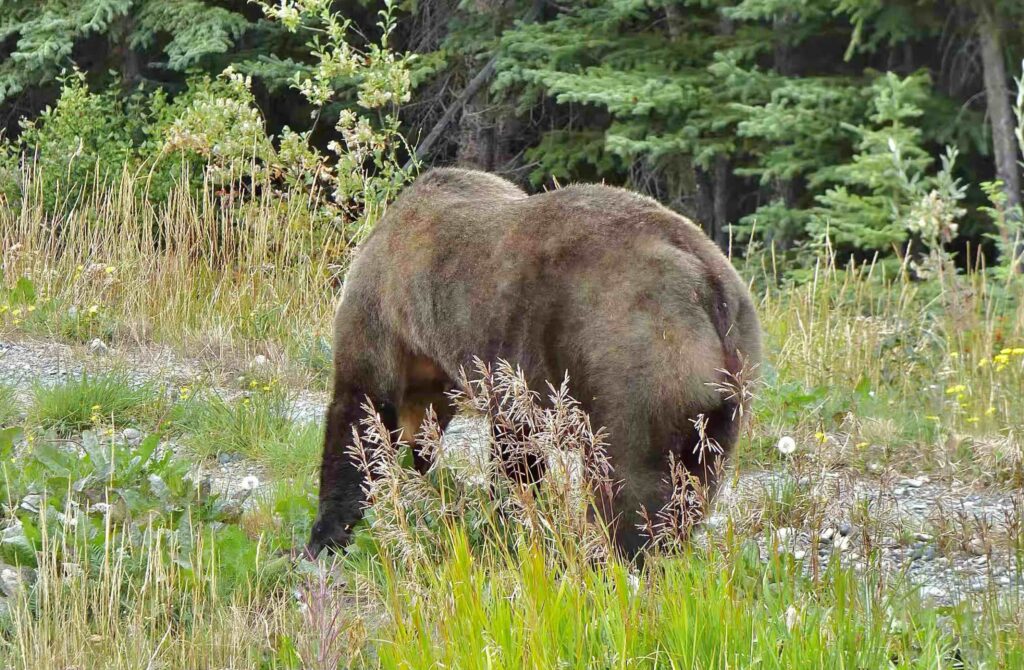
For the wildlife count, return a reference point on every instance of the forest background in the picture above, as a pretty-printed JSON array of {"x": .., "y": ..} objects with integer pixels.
[{"x": 888, "y": 128}]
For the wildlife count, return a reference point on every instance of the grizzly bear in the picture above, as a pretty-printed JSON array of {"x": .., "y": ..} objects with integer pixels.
[{"x": 645, "y": 314}]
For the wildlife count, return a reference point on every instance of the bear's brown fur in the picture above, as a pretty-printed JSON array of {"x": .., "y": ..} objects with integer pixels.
[{"x": 633, "y": 300}]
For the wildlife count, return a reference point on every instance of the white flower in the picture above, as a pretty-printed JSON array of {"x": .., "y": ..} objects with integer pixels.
[
  {"x": 787, "y": 445},
  {"x": 249, "y": 483}
]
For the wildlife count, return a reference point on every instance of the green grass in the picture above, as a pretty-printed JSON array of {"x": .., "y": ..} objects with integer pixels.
[
  {"x": 109, "y": 398},
  {"x": 255, "y": 425},
  {"x": 717, "y": 609},
  {"x": 10, "y": 408}
]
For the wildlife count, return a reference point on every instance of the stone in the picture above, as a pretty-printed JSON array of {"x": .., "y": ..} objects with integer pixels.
[
  {"x": 132, "y": 436},
  {"x": 912, "y": 482},
  {"x": 845, "y": 528},
  {"x": 98, "y": 348},
  {"x": 14, "y": 581}
]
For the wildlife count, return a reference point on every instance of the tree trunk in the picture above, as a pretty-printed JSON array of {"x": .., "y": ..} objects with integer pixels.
[
  {"x": 704, "y": 200},
  {"x": 785, "y": 64},
  {"x": 1000, "y": 113},
  {"x": 476, "y": 135},
  {"x": 722, "y": 195}
]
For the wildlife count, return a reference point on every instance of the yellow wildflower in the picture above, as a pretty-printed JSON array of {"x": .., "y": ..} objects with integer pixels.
[
  {"x": 973, "y": 419},
  {"x": 954, "y": 354},
  {"x": 1017, "y": 351},
  {"x": 1005, "y": 350},
  {"x": 983, "y": 362},
  {"x": 31, "y": 308},
  {"x": 990, "y": 411},
  {"x": 110, "y": 269},
  {"x": 958, "y": 389},
  {"x": 93, "y": 309}
]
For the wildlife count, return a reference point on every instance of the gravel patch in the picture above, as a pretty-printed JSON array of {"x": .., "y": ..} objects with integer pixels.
[{"x": 947, "y": 538}]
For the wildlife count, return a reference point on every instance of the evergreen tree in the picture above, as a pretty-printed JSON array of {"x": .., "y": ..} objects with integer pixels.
[{"x": 42, "y": 37}]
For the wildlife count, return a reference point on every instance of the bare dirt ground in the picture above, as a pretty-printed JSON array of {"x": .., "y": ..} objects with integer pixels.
[{"x": 947, "y": 537}]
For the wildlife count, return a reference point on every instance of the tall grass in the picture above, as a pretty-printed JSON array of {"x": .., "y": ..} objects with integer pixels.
[
  {"x": 872, "y": 363},
  {"x": 217, "y": 263}
]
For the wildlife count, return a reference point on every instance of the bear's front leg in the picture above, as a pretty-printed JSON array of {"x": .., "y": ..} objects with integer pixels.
[{"x": 341, "y": 479}]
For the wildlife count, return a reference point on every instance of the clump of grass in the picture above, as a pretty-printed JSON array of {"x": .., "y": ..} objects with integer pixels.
[
  {"x": 107, "y": 398},
  {"x": 256, "y": 424},
  {"x": 10, "y": 408}
]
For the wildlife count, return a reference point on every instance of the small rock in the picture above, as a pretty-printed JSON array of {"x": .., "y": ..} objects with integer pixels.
[
  {"x": 841, "y": 543},
  {"x": 929, "y": 554},
  {"x": 977, "y": 547},
  {"x": 933, "y": 592},
  {"x": 98, "y": 348},
  {"x": 132, "y": 436},
  {"x": 1004, "y": 580},
  {"x": 226, "y": 457},
  {"x": 917, "y": 553},
  {"x": 792, "y": 617},
  {"x": 799, "y": 554},
  {"x": 14, "y": 581},
  {"x": 71, "y": 569},
  {"x": 912, "y": 482},
  {"x": 827, "y": 533},
  {"x": 845, "y": 528},
  {"x": 922, "y": 537}
]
